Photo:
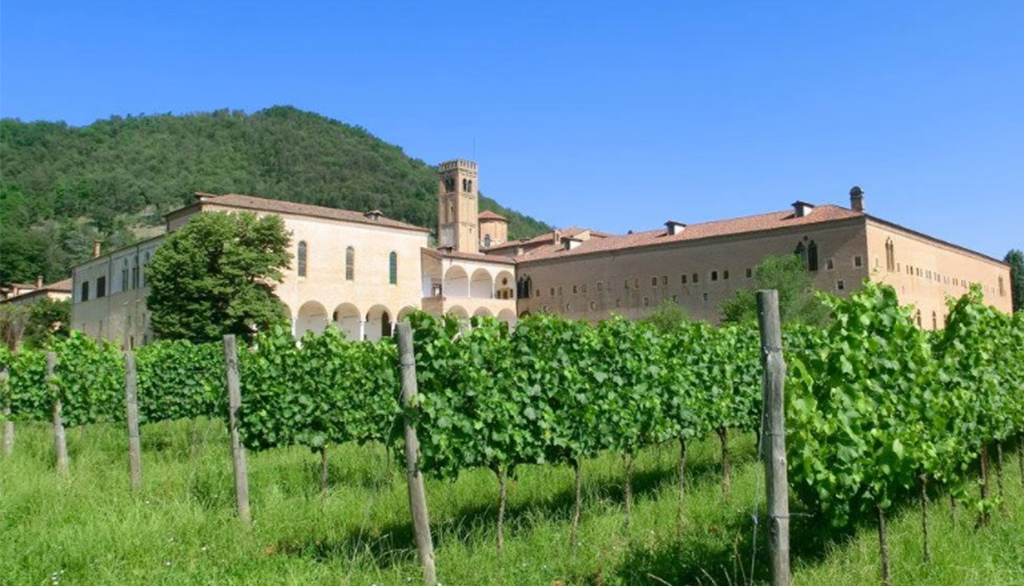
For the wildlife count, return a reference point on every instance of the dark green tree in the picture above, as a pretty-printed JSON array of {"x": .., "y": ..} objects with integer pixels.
[
  {"x": 1015, "y": 258},
  {"x": 216, "y": 276},
  {"x": 797, "y": 300},
  {"x": 668, "y": 317},
  {"x": 48, "y": 320}
]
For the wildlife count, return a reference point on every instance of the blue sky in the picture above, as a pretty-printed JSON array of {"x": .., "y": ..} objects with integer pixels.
[{"x": 611, "y": 115}]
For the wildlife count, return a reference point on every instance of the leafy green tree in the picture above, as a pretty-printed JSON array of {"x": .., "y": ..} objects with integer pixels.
[
  {"x": 216, "y": 276},
  {"x": 48, "y": 320},
  {"x": 668, "y": 317},
  {"x": 797, "y": 300},
  {"x": 1015, "y": 258},
  {"x": 13, "y": 318}
]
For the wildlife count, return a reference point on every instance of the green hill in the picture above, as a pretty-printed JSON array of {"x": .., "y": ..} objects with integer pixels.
[{"x": 62, "y": 187}]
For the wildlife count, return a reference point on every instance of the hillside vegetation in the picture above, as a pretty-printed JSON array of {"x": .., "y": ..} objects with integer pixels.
[{"x": 61, "y": 187}]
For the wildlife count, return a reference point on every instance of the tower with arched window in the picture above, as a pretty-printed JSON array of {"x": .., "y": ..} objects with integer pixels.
[{"x": 458, "y": 206}]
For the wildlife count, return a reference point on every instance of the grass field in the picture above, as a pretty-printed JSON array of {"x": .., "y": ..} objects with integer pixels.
[{"x": 89, "y": 529}]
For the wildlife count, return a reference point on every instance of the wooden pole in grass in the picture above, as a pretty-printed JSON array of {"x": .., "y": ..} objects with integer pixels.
[
  {"x": 775, "y": 428},
  {"x": 60, "y": 440},
  {"x": 237, "y": 449},
  {"x": 417, "y": 493},
  {"x": 132, "y": 411},
  {"x": 8, "y": 425}
]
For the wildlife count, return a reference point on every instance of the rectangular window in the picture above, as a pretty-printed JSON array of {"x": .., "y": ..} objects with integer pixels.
[
  {"x": 664, "y": 279},
  {"x": 101, "y": 287},
  {"x": 840, "y": 285},
  {"x": 714, "y": 275},
  {"x": 575, "y": 289},
  {"x": 684, "y": 279},
  {"x": 124, "y": 278},
  {"x": 725, "y": 275},
  {"x": 559, "y": 290},
  {"x": 85, "y": 291},
  {"x": 600, "y": 286},
  {"x": 552, "y": 291},
  {"x": 135, "y": 276},
  {"x": 584, "y": 288},
  {"x": 750, "y": 273},
  {"x": 858, "y": 261},
  {"x": 705, "y": 297},
  {"x": 647, "y": 301},
  {"x": 654, "y": 281},
  {"x": 830, "y": 264},
  {"x": 627, "y": 284},
  {"x": 696, "y": 278}
]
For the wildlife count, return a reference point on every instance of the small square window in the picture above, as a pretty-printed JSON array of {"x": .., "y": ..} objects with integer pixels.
[
  {"x": 714, "y": 275},
  {"x": 684, "y": 279},
  {"x": 750, "y": 273},
  {"x": 705, "y": 297},
  {"x": 858, "y": 261},
  {"x": 696, "y": 278},
  {"x": 840, "y": 285},
  {"x": 647, "y": 301},
  {"x": 654, "y": 281},
  {"x": 830, "y": 264},
  {"x": 725, "y": 275}
]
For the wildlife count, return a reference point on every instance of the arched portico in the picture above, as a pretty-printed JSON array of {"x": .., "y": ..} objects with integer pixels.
[
  {"x": 312, "y": 317},
  {"x": 404, "y": 312},
  {"x": 459, "y": 313},
  {"x": 507, "y": 316},
  {"x": 456, "y": 282},
  {"x": 481, "y": 285},
  {"x": 348, "y": 319},
  {"x": 378, "y": 323},
  {"x": 504, "y": 285},
  {"x": 483, "y": 312}
]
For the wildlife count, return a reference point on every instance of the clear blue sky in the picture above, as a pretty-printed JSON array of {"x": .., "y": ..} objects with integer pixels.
[{"x": 611, "y": 115}]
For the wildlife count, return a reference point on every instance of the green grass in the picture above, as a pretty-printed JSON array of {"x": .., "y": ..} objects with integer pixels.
[{"x": 89, "y": 529}]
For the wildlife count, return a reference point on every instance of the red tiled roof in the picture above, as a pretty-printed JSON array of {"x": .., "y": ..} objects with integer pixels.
[
  {"x": 489, "y": 215},
  {"x": 758, "y": 223},
  {"x": 479, "y": 256},
  {"x": 262, "y": 204},
  {"x": 62, "y": 286},
  {"x": 547, "y": 237}
]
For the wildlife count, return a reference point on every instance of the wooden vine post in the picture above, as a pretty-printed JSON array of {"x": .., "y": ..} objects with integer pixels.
[
  {"x": 237, "y": 449},
  {"x": 8, "y": 425},
  {"x": 777, "y": 482},
  {"x": 60, "y": 439},
  {"x": 132, "y": 413},
  {"x": 417, "y": 493}
]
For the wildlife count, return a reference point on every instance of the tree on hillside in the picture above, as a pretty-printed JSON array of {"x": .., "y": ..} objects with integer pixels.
[
  {"x": 216, "y": 276},
  {"x": 797, "y": 300},
  {"x": 1015, "y": 258}
]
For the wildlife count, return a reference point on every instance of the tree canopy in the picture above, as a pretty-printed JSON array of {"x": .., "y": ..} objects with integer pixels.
[
  {"x": 1015, "y": 258},
  {"x": 798, "y": 302},
  {"x": 63, "y": 187},
  {"x": 216, "y": 276}
]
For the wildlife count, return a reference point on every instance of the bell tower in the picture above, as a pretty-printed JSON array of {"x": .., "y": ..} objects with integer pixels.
[{"x": 457, "y": 206}]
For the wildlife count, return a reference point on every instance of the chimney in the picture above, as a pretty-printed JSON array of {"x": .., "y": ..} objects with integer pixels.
[
  {"x": 374, "y": 215},
  {"x": 802, "y": 208},
  {"x": 95, "y": 248},
  {"x": 856, "y": 199},
  {"x": 673, "y": 227},
  {"x": 39, "y": 281},
  {"x": 556, "y": 237}
]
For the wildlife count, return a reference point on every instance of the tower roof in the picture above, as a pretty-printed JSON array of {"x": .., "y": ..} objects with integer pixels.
[{"x": 489, "y": 215}]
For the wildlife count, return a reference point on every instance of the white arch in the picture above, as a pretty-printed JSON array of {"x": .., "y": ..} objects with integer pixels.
[
  {"x": 458, "y": 312},
  {"x": 456, "y": 282},
  {"x": 348, "y": 319},
  {"x": 505, "y": 285},
  {"x": 378, "y": 323},
  {"x": 483, "y": 312},
  {"x": 402, "y": 313},
  {"x": 507, "y": 316},
  {"x": 481, "y": 286},
  {"x": 312, "y": 318}
]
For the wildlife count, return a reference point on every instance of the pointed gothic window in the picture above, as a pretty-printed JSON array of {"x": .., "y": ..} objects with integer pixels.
[
  {"x": 393, "y": 268},
  {"x": 812, "y": 256},
  {"x": 302, "y": 258},
  {"x": 350, "y": 264}
]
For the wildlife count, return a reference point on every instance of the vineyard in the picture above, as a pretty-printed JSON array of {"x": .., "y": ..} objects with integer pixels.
[{"x": 880, "y": 415}]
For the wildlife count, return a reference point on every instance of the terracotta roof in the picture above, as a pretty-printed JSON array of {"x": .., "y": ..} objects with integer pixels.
[
  {"x": 489, "y": 215},
  {"x": 62, "y": 286},
  {"x": 547, "y": 237},
  {"x": 479, "y": 256},
  {"x": 262, "y": 204},
  {"x": 758, "y": 223}
]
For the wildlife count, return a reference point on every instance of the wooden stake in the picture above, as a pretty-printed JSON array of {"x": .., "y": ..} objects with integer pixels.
[
  {"x": 883, "y": 548},
  {"x": 723, "y": 438},
  {"x": 776, "y": 478},
  {"x": 924, "y": 518},
  {"x": 325, "y": 475},
  {"x": 578, "y": 470},
  {"x": 681, "y": 471},
  {"x": 237, "y": 449},
  {"x": 629, "y": 490},
  {"x": 132, "y": 411},
  {"x": 502, "y": 500},
  {"x": 8, "y": 425},
  {"x": 60, "y": 439},
  {"x": 417, "y": 493}
]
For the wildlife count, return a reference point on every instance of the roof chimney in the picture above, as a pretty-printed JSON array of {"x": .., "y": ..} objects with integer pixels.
[
  {"x": 95, "y": 248},
  {"x": 673, "y": 227},
  {"x": 374, "y": 214},
  {"x": 856, "y": 199},
  {"x": 556, "y": 236},
  {"x": 39, "y": 281},
  {"x": 802, "y": 208}
]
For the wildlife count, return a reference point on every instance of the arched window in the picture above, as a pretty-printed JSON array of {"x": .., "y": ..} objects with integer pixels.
[
  {"x": 800, "y": 251},
  {"x": 1002, "y": 288},
  {"x": 302, "y": 258},
  {"x": 935, "y": 321},
  {"x": 124, "y": 275},
  {"x": 393, "y": 268},
  {"x": 812, "y": 256},
  {"x": 890, "y": 255},
  {"x": 350, "y": 264},
  {"x": 487, "y": 240}
]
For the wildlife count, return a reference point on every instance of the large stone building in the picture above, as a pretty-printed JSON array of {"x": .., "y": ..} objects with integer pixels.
[{"x": 361, "y": 271}]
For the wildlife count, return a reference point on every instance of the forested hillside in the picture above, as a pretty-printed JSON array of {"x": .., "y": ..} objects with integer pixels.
[{"x": 62, "y": 187}]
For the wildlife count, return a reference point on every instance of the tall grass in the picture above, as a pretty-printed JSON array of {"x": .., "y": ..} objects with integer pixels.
[{"x": 180, "y": 529}]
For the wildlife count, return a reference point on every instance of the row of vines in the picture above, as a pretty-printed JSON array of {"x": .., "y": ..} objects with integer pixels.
[{"x": 879, "y": 412}]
